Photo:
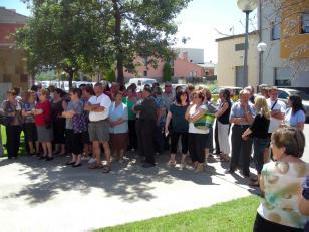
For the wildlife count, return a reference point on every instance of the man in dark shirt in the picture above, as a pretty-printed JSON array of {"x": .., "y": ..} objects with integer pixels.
[{"x": 147, "y": 119}]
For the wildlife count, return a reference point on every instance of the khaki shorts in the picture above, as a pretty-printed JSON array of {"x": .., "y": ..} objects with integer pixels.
[{"x": 99, "y": 131}]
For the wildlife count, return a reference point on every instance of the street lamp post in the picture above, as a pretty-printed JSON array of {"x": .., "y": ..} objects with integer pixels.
[
  {"x": 247, "y": 6},
  {"x": 261, "y": 47}
]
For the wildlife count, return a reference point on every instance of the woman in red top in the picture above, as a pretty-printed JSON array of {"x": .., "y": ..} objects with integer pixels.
[{"x": 42, "y": 114}]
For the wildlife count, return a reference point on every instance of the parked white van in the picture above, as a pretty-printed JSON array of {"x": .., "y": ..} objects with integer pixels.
[{"x": 140, "y": 82}]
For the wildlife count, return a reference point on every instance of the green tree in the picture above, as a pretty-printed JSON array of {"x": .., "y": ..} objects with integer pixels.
[
  {"x": 167, "y": 72},
  {"x": 144, "y": 28},
  {"x": 77, "y": 35},
  {"x": 65, "y": 35}
]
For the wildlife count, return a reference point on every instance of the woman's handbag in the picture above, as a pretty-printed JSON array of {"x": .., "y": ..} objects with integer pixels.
[{"x": 206, "y": 122}]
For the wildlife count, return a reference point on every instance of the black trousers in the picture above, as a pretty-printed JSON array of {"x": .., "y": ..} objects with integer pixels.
[
  {"x": 132, "y": 135},
  {"x": 263, "y": 225},
  {"x": 147, "y": 129},
  {"x": 240, "y": 149},
  {"x": 217, "y": 146},
  {"x": 13, "y": 140},
  {"x": 184, "y": 142},
  {"x": 197, "y": 145},
  {"x": 138, "y": 137},
  {"x": 68, "y": 141}
]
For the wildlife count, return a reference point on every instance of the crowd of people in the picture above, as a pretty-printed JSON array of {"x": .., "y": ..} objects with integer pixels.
[{"x": 114, "y": 120}]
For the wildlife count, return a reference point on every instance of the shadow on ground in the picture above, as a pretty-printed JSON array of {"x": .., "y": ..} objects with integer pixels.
[{"x": 130, "y": 182}]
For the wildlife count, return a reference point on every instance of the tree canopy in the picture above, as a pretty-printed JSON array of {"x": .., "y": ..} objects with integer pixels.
[{"x": 89, "y": 35}]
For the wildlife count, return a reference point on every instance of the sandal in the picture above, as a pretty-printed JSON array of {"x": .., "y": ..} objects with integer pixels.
[
  {"x": 69, "y": 163},
  {"x": 95, "y": 166},
  {"x": 224, "y": 158},
  {"x": 171, "y": 163},
  {"x": 106, "y": 169}
]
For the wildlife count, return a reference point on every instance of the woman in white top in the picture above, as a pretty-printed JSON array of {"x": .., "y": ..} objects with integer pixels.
[{"x": 197, "y": 137}]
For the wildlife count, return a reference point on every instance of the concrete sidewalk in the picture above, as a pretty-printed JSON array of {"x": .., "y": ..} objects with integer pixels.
[{"x": 49, "y": 196}]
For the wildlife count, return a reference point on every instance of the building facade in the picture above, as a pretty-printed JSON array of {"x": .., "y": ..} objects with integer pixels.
[
  {"x": 182, "y": 69},
  {"x": 13, "y": 64},
  {"x": 230, "y": 67},
  {"x": 285, "y": 30}
]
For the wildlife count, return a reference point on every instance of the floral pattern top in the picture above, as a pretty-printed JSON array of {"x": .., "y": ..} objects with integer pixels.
[{"x": 281, "y": 183}]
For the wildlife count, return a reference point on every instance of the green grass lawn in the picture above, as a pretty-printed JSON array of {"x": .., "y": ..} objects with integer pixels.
[{"x": 236, "y": 215}]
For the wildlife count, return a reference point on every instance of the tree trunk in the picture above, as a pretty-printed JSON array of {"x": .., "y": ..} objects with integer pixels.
[
  {"x": 71, "y": 73},
  {"x": 117, "y": 30}
]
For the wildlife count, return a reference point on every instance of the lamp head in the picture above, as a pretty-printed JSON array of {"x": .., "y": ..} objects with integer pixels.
[
  {"x": 261, "y": 47},
  {"x": 247, "y": 5}
]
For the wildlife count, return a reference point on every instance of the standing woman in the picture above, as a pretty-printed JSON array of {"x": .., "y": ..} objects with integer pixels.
[
  {"x": 180, "y": 127},
  {"x": 197, "y": 137},
  {"x": 87, "y": 92},
  {"x": 29, "y": 122},
  {"x": 281, "y": 183},
  {"x": 58, "y": 121},
  {"x": 223, "y": 121},
  {"x": 75, "y": 118},
  {"x": 118, "y": 121},
  {"x": 131, "y": 100},
  {"x": 12, "y": 113},
  {"x": 295, "y": 114},
  {"x": 259, "y": 132},
  {"x": 43, "y": 123}
]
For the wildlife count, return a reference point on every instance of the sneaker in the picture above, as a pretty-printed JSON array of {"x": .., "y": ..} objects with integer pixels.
[{"x": 91, "y": 161}]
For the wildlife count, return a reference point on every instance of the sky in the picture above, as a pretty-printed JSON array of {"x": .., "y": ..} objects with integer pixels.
[{"x": 203, "y": 21}]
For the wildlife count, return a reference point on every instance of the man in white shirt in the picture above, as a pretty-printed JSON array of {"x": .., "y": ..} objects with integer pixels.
[
  {"x": 277, "y": 110},
  {"x": 98, "y": 127},
  {"x": 277, "y": 113}
]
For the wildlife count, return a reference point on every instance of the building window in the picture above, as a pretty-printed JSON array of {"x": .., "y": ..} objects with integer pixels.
[
  {"x": 305, "y": 23},
  {"x": 145, "y": 73},
  {"x": 282, "y": 76},
  {"x": 239, "y": 47},
  {"x": 275, "y": 30}
]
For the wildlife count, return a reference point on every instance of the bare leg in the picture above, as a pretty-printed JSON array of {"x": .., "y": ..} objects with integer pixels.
[
  {"x": 49, "y": 149},
  {"x": 172, "y": 161},
  {"x": 206, "y": 155},
  {"x": 31, "y": 148},
  {"x": 37, "y": 147},
  {"x": 62, "y": 149},
  {"x": 107, "y": 153},
  {"x": 44, "y": 146},
  {"x": 96, "y": 151}
]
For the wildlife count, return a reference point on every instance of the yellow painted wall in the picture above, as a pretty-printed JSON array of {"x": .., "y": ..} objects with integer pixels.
[
  {"x": 228, "y": 59},
  {"x": 291, "y": 37}
]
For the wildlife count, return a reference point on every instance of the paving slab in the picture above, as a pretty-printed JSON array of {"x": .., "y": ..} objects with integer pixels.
[{"x": 49, "y": 196}]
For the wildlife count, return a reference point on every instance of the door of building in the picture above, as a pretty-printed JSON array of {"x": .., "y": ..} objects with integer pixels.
[{"x": 240, "y": 77}]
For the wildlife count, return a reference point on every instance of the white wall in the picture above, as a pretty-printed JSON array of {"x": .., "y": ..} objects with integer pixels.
[{"x": 194, "y": 54}]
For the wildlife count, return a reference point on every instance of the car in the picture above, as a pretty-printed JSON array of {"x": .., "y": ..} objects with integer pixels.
[
  {"x": 140, "y": 82},
  {"x": 284, "y": 93}
]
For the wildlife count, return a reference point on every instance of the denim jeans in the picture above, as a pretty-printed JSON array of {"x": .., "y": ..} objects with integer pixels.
[{"x": 259, "y": 147}]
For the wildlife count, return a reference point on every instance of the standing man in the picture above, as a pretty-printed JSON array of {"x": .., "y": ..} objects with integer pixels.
[
  {"x": 242, "y": 116},
  {"x": 147, "y": 125},
  {"x": 168, "y": 95},
  {"x": 277, "y": 114},
  {"x": 98, "y": 127},
  {"x": 168, "y": 98}
]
